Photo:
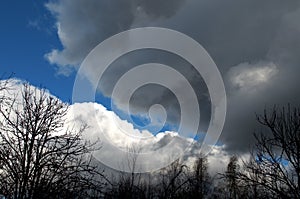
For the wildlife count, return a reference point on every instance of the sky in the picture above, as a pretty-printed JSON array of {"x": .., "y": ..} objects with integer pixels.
[
  {"x": 255, "y": 45},
  {"x": 27, "y": 33}
]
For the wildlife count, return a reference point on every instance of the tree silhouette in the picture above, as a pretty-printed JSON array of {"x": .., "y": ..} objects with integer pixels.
[
  {"x": 38, "y": 158},
  {"x": 173, "y": 181},
  {"x": 131, "y": 184},
  {"x": 200, "y": 181},
  {"x": 275, "y": 162},
  {"x": 231, "y": 176}
]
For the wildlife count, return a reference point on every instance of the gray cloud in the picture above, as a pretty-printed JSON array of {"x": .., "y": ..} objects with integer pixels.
[
  {"x": 283, "y": 61},
  {"x": 158, "y": 8},
  {"x": 82, "y": 24},
  {"x": 148, "y": 95},
  {"x": 255, "y": 44}
]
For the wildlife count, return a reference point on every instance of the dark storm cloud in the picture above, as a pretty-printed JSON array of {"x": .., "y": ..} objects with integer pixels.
[
  {"x": 233, "y": 31},
  {"x": 82, "y": 24},
  {"x": 158, "y": 8},
  {"x": 281, "y": 88},
  {"x": 151, "y": 94},
  {"x": 255, "y": 44}
]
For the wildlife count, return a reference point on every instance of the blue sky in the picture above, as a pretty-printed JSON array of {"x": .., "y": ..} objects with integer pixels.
[{"x": 27, "y": 33}]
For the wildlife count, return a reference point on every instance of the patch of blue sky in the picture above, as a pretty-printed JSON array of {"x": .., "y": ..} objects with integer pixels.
[
  {"x": 139, "y": 121},
  {"x": 267, "y": 158},
  {"x": 199, "y": 136},
  {"x": 27, "y": 34},
  {"x": 105, "y": 101}
]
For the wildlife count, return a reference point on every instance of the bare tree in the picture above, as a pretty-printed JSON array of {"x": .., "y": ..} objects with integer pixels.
[
  {"x": 173, "y": 181},
  {"x": 231, "y": 177},
  {"x": 38, "y": 159},
  {"x": 199, "y": 180},
  {"x": 130, "y": 184},
  {"x": 275, "y": 163}
]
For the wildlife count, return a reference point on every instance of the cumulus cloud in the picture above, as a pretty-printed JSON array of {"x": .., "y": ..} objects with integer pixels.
[
  {"x": 108, "y": 128},
  {"x": 102, "y": 123},
  {"x": 119, "y": 138},
  {"x": 235, "y": 33}
]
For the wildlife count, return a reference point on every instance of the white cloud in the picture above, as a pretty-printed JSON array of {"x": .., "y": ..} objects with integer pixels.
[
  {"x": 103, "y": 125},
  {"x": 248, "y": 77},
  {"x": 118, "y": 137},
  {"x": 110, "y": 129}
]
